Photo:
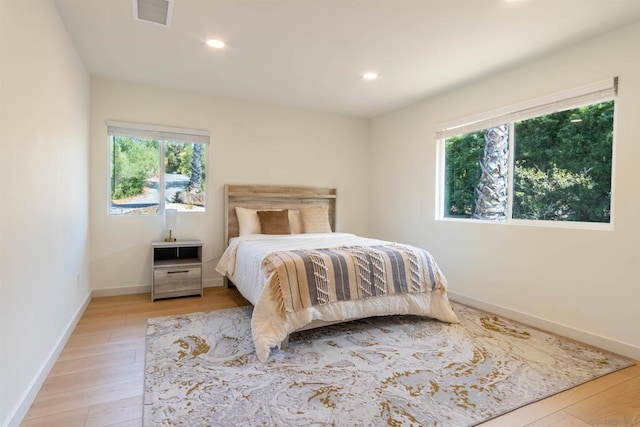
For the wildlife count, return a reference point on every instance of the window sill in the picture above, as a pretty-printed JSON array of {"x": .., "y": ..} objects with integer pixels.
[{"x": 594, "y": 226}]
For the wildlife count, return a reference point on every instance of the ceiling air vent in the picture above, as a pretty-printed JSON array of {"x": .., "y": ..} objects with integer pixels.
[{"x": 156, "y": 11}]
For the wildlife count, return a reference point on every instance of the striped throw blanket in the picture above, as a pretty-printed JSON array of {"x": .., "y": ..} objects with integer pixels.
[{"x": 300, "y": 279}]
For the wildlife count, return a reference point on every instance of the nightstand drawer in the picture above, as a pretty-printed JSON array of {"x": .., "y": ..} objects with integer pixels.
[{"x": 177, "y": 280}]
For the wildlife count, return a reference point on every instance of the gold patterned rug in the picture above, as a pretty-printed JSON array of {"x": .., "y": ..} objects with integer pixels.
[{"x": 201, "y": 370}]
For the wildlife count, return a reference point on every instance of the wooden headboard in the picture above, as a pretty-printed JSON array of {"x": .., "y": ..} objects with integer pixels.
[{"x": 273, "y": 197}]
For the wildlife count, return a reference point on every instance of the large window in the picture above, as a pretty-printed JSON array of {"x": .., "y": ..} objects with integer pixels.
[
  {"x": 550, "y": 161},
  {"x": 155, "y": 168}
]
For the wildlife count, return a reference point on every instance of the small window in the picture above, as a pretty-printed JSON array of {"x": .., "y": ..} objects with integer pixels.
[
  {"x": 152, "y": 169},
  {"x": 548, "y": 166}
]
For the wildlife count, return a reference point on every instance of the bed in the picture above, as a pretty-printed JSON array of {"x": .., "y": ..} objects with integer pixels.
[{"x": 283, "y": 255}]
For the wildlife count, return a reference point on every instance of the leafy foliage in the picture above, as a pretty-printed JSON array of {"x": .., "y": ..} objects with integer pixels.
[
  {"x": 562, "y": 167},
  {"x": 134, "y": 162},
  {"x": 550, "y": 195},
  {"x": 462, "y": 173},
  {"x": 573, "y": 149},
  {"x": 179, "y": 158}
]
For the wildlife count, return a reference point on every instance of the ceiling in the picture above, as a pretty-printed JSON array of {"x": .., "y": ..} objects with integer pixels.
[{"x": 311, "y": 54}]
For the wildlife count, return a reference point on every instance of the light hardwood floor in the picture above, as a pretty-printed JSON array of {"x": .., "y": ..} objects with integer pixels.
[{"x": 98, "y": 379}]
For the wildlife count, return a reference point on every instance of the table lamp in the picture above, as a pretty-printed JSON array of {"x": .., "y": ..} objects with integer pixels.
[{"x": 170, "y": 216}]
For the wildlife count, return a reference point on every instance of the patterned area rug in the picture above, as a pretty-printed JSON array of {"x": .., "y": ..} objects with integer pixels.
[{"x": 201, "y": 370}]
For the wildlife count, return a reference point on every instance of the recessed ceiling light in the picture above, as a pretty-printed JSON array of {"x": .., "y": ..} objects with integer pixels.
[
  {"x": 370, "y": 76},
  {"x": 216, "y": 44}
]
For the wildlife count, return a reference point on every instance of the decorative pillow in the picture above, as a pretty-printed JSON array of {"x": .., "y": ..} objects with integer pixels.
[
  {"x": 248, "y": 221},
  {"x": 274, "y": 222},
  {"x": 316, "y": 219},
  {"x": 295, "y": 221}
]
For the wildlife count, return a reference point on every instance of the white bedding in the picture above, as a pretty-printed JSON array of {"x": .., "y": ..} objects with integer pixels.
[{"x": 242, "y": 264}]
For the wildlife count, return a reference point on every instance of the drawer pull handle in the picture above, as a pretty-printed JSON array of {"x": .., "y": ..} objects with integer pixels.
[{"x": 180, "y": 271}]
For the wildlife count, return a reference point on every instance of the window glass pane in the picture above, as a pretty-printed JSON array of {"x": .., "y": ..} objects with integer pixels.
[
  {"x": 462, "y": 173},
  {"x": 135, "y": 168},
  {"x": 563, "y": 165},
  {"x": 476, "y": 174},
  {"x": 185, "y": 165}
]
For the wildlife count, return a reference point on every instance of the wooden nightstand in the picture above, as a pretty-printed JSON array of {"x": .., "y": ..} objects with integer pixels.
[{"x": 176, "y": 269}]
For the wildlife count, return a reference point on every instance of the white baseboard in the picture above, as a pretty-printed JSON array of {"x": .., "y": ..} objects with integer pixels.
[
  {"x": 144, "y": 289},
  {"x": 26, "y": 400},
  {"x": 213, "y": 283},
  {"x": 124, "y": 290},
  {"x": 604, "y": 343}
]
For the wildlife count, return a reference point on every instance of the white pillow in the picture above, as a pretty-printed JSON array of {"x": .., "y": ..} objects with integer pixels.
[
  {"x": 316, "y": 219},
  {"x": 249, "y": 223}
]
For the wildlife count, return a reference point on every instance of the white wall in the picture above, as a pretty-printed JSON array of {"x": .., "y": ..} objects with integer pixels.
[
  {"x": 44, "y": 116},
  {"x": 250, "y": 144},
  {"x": 580, "y": 283}
]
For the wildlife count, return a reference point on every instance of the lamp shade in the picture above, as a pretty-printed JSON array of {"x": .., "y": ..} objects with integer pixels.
[{"x": 170, "y": 216}]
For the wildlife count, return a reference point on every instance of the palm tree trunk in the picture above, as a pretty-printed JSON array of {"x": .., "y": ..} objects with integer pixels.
[
  {"x": 195, "y": 181},
  {"x": 491, "y": 192}
]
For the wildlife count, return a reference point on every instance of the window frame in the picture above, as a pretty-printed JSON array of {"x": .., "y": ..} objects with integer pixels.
[
  {"x": 598, "y": 92},
  {"x": 162, "y": 134}
]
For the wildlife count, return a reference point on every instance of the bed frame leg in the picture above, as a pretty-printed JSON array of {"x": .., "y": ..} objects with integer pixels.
[{"x": 285, "y": 343}]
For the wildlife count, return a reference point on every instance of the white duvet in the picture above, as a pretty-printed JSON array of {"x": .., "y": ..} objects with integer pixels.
[{"x": 242, "y": 264}]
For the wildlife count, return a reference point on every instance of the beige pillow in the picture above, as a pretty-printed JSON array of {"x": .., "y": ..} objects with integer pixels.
[
  {"x": 316, "y": 219},
  {"x": 274, "y": 222},
  {"x": 248, "y": 221},
  {"x": 295, "y": 222}
]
